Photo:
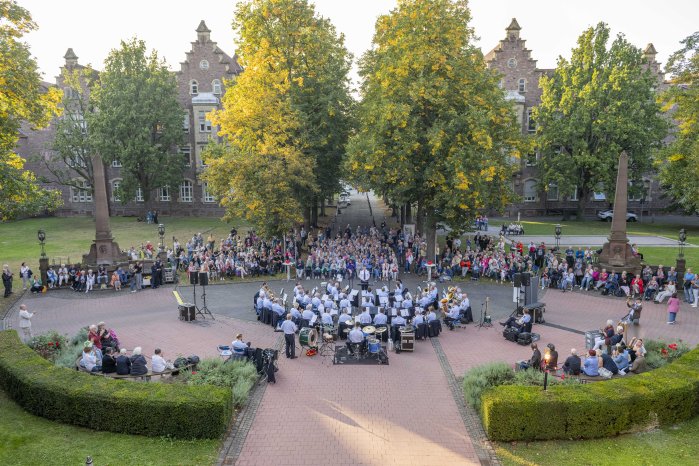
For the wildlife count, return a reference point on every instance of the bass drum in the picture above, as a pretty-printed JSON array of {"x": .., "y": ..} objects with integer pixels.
[{"x": 308, "y": 337}]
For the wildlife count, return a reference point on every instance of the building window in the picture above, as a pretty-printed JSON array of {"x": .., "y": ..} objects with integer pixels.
[
  {"x": 531, "y": 124},
  {"x": 139, "y": 195},
  {"x": 81, "y": 192},
  {"x": 216, "y": 86},
  {"x": 193, "y": 87},
  {"x": 574, "y": 195},
  {"x": 208, "y": 197},
  {"x": 69, "y": 93},
  {"x": 522, "y": 87},
  {"x": 185, "y": 123},
  {"x": 531, "y": 159},
  {"x": 116, "y": 163},
  {"x": 530, "y": 191},
  {"x": 186, "y": 191},
  {"x": 552, "y": 193},
  {"x": 204, "y": 124},
  {"x": 115, "y": 190},
  {"x": 203, "y": 65},
  {"x": 186, "y": 152},
  {"x": 512, "y": 63},
  {"x": 164, "y": 194}
]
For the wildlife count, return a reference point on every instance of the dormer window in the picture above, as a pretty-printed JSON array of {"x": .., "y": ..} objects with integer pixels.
[{"x": 193, "y": 87}]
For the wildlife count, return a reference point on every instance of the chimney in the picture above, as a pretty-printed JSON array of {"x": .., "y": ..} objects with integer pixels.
[
  {"x": 513, "y": 30},
  {"x": 203, "y": 32},
  {"x": 71, "y": 58}
]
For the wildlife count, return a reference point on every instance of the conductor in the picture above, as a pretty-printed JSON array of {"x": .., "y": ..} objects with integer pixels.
[{"x": 289, "y": 328}]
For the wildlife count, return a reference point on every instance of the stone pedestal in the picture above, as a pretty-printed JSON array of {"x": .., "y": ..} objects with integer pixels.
[
  {"x": 681, "y": 268},
  {"x": 43, "y": 268}
]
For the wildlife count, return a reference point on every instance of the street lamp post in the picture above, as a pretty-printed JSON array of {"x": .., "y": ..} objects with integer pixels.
[
  {"x": 557, "y": 232},
  {"x": 161, "y": 232},
  {"x": 41, "y": 234},
  {"x": 547, "y": 358}
]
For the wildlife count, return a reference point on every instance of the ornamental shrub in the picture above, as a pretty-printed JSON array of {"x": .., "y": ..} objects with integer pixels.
[
  {"x": 663, "y": 396},
  {"x": 101, "y": 403},
  {"x": 483, "y": 377},
  {"x": 48, "y": 345},
  {"x": 240, "y": 376}
]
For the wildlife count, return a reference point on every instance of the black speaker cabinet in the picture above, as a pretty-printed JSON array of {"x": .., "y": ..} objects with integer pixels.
[
  {"x": 526, "y": 276},
  {"x": 187, "y": 312},
  {"x": 203, "y": 278},
  {"x": 194, "y": 278},
  {"x": 517, "y": 279}
]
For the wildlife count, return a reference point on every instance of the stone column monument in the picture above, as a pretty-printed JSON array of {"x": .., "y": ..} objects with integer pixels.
[
  {"x": 104, "y": 250},
  {"x": 616, "y": 253}
]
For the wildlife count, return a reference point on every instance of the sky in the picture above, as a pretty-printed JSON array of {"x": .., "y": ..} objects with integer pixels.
[{"x": 550, "y": 27}]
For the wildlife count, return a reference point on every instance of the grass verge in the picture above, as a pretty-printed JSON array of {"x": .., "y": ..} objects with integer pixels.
[
  {"x": 30, "y": 440},
  {"x": 674, "y": 445}
]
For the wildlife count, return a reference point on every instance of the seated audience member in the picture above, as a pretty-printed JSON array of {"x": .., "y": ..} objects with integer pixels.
[
  {"x": 107, "y": 337},
  {"x": 651, "y": 288},
  {"x": 621, "y": 358},
  {"x": 108, "y": 361},
  {"x": 591, "y": 364},
  {"x": 668, "y": 290},
  {"x": 608, "y": 363},
  {"x": 572, "y": 364},
  {"x": 518, "y": 323},
  {"x": 239, "y": 347},
  {"x": 51, "y": 278},
  {"x": 158, "y": 363},
  {"x": 95, "y": 339},
  {"x": 138, "y": 362},
  {"x": 116, "y": 281},
  {"x": 552, "y": 364},
  {"x": 123, "y": 363},
  {"x": 635, "y": 309},
  {"x": 607, "y": 334},
  {"x": 639, "y": 364},
  {"x": 534, "y": 361},
  {"x": 36, "y": 287},
  {"x": 89, "y": 360}
]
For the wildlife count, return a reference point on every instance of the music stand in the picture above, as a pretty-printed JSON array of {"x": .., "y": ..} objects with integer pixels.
[
  {"x": 203, "y": 282},
  {"x": 484, "y": 311}
]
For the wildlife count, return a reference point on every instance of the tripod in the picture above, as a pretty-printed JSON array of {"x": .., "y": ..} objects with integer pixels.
[
  {"x": 485, "y": 318},
  {"x": 204, "y": 310}
]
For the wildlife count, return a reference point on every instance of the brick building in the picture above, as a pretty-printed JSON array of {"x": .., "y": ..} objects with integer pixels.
[
  {"x": 514, "y": 62},
  {"x": 201, "y": 84}
]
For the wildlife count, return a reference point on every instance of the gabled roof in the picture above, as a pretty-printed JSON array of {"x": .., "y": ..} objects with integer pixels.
[
  {"x": 514, "y": 25},
  {"x": 70, "y": 55},
  {"x": 650, "y": 50},
  {"x": 202, "y": 27}
]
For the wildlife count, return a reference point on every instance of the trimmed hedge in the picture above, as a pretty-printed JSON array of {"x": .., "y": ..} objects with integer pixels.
[
  {"x": 71, "y": 397},
  {"x": 663, "y": 396}
]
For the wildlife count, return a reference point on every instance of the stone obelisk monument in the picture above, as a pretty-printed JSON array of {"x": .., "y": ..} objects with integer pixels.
[
  {"x": 104, "y": 250},
  {"x": 616, "y": 253}
]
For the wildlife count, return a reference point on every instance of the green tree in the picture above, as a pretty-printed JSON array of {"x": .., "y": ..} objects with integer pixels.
[
  {"x": 138, "y": 121},
  {"x": 595, "y": 106},
  {"x": 23, "y": 100},
  {"x": 434, "y": 128},
  {"x": 72, "y": 149},
  {"x": 679, "y": 162},
  {"x": 285, "y": 119}
]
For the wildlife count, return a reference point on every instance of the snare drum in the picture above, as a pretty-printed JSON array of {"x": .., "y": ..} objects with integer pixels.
[
  {"x": 308, "y": 337},
  {"x": 374, "y": 345}
]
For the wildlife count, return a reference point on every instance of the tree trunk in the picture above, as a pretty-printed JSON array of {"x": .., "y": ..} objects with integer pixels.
[
  {"x": 420, "y": 220},
  {"x": 431, "y": 233},
  {"x": 581, "y": 204},
  {"x": 408, "y": 213},
  {"x": 306, "y": 218},
  {"x": 314, "y": 212},
  {"x": 402, "y": 215},
  {"x": 322, "y": 207}
]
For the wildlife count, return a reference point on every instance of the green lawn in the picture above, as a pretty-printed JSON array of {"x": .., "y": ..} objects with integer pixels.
[
  {"x": 70, "y": 238},
  {"x": 597, "y": 227},
  {"x": 674, "y": 445},
  {"x": 31, "y": 440}
]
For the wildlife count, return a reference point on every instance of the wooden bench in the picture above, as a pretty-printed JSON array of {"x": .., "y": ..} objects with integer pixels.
[{"x": 146, "y": 377}]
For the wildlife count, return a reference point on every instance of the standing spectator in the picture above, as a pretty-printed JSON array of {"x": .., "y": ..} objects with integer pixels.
[
  {"x": 673, "y": 307},
  {"x": 25, "y": 273},
  {"x": 695, "y": 291},
  {"x": 25, "y": 322},
  {"x": 688, "y": 279},
  {"x": 7, "y": 277}
]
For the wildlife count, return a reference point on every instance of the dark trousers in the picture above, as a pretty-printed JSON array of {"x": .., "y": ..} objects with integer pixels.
[
  {"x": 8, "y": 287},
  {"x": 289, "y": 338}
]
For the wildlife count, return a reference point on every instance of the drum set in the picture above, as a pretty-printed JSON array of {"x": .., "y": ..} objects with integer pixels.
[{"x": 371, "y": 346}]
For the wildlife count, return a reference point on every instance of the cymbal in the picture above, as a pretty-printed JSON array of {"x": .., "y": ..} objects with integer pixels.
[
  {"x": 369, "y": 329},
  {"x": 380, "y": 330}
]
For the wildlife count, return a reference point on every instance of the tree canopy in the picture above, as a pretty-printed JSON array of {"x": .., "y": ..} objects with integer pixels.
[
  {"x": 285, "y": 119},
  {"x": 597, "y": 104},
  {"x": 23, "y": 100},
  {"x": 138, "y": 120},
  {"x": 434, "y": 127},
  {"x": 679, "y": 162}
]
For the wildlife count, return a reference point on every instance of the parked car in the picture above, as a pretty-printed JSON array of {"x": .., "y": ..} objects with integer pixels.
[{"x": 607, "y": 215}]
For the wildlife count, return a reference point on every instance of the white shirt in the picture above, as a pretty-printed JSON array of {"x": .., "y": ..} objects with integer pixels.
[
  {"x": 239, "y": 347},
  {"x": 344, "y": 318},
  {"x": 364, "y": 275},
  {"x": 356, "y": 336},
  {"x": 25, "y": 318},
  {"x": 158, "y": 363},
  {"x": 431, "y": 316},
  {"x": 365, "y": 318},
  {"x": 380, "y": 319},
  {"x": 327, "y": 319},
  {"x": 288, "y": 327}
]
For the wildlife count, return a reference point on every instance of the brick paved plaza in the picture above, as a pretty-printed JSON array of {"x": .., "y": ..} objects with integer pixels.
[{"x": 319, "y": 413}]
